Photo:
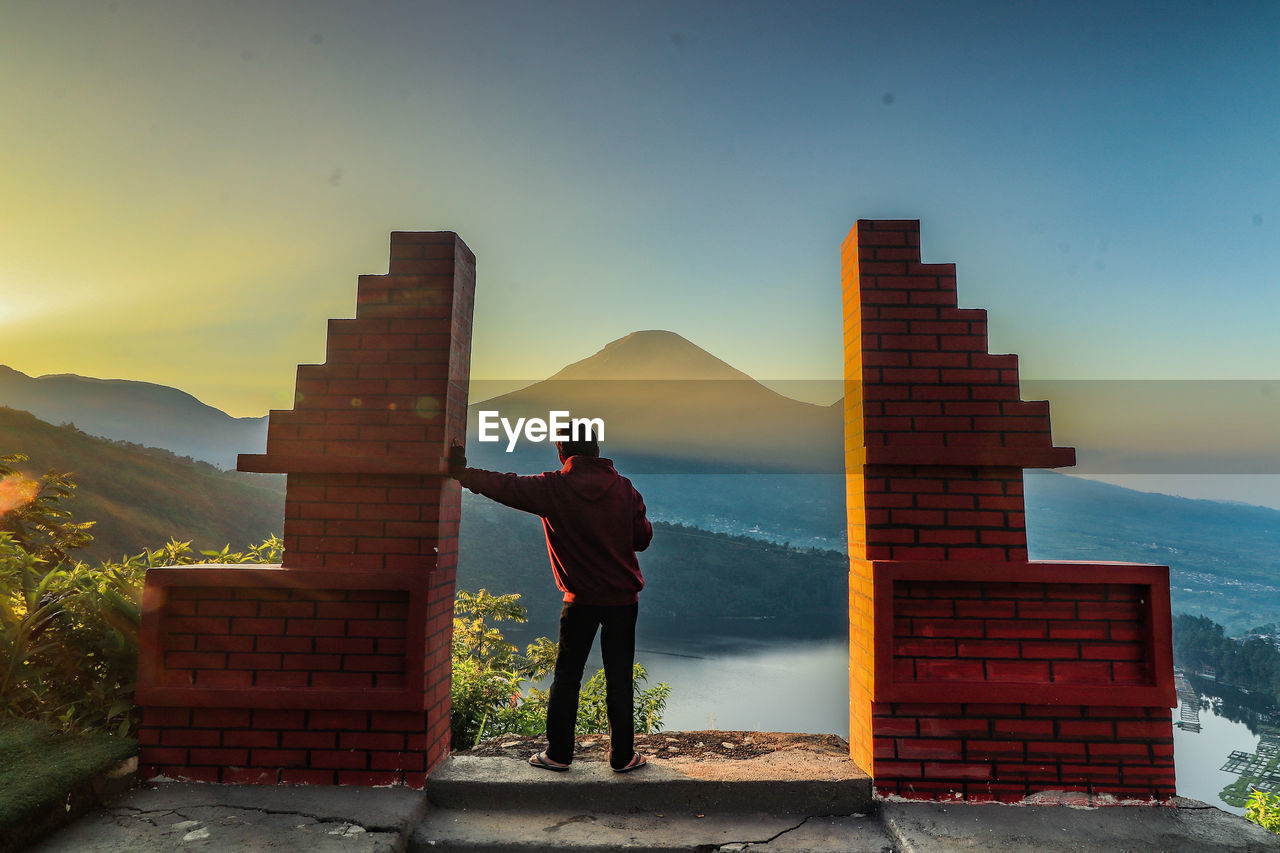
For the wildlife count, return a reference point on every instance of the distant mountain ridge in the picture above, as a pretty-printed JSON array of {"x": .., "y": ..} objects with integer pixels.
[
  {"x": 705, "y": 451},
  {"x": 671, "y": 406},
  {"x": 139, "y": 412},
  {"x": 141, "y": 497},
  {"x": 648, "y": 355}
]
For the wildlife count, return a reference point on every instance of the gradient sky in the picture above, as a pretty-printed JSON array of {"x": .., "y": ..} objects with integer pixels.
[{"x": 189, "y": 189}]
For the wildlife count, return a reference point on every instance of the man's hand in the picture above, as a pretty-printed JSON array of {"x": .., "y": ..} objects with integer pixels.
[{"x": 457, "y": 459}]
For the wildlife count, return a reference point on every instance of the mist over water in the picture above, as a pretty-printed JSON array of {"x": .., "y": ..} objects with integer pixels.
[{"x": 785, "y": 687}]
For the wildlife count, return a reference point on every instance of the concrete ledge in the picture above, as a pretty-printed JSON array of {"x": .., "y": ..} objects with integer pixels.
[
  {"x": 500, "y": 831},
  {"x": 479, "y": 782},
  {"x": 1187, "y": 826}
]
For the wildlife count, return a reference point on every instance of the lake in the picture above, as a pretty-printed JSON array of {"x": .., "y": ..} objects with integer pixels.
[{"x": 803, "y": 687}]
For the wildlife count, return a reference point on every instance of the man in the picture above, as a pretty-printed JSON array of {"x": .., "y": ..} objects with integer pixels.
[{"x": 595, "y": 522}]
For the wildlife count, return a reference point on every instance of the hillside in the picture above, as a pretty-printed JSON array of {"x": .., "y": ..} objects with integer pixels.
[
  {"x": 1224, "y": 558},
  {"x": 138, "y": 412},
  {"x": 141, "y": 497}
]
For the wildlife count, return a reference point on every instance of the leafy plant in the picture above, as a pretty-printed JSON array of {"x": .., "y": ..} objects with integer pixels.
[
  {"x": 649, "y": 703},
  {"x": 494, "y": 691},
  {"x": 1264, "y": 810},
  {"x": 31, "y": 512},
  {"x": 69, "y": 630}
]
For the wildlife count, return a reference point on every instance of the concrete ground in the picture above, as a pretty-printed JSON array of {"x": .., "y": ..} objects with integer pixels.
[
  {"x": 194, "y": 816},
  {"x": 236, "y": 818},
  {"x": 589, "y": 809}
]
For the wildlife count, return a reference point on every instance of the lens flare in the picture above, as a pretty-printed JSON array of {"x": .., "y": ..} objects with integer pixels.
[
  {"x": 16, "y": 491},
  {"x": 428, "y": 408}
]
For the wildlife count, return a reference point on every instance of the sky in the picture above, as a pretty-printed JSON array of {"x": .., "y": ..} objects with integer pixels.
[{"x": 189, "y": 189}]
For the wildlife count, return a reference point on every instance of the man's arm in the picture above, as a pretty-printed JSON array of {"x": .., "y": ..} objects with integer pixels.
[
  {"x": 528, "y": 494},
  {"x": 641, "y": 529}
]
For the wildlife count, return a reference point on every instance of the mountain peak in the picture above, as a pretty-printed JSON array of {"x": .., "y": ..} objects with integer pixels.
[{"x": 651, "y": 354}]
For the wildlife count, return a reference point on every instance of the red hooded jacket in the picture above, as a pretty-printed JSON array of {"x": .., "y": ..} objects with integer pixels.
[{"x": 594, "y": 520}]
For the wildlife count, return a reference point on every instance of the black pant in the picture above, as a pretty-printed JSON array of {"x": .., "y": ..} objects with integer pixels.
[{"x": 578, "y": 624}]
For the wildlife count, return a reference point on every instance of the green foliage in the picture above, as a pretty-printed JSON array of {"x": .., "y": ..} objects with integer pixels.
[
  {"x": 31, "y": 512},
  {"x": 493, "y": 683},
  {"x": 69, "y": 632},
  {"x": 489, "y": 674},
  {"x": 1252, "y": 663},
  {"x": 649, "y": 703},
  {"x": 1264, "y": 810},
  {"x": 68, "y": 629}
]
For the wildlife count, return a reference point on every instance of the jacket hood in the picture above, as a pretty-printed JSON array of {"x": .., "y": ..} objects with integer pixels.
[{"x": 591, "y": 477}]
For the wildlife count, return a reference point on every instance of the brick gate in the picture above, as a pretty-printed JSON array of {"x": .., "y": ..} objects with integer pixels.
[
  {"x": 335, "y": 666},
  {"x": 972, "y": 671}
]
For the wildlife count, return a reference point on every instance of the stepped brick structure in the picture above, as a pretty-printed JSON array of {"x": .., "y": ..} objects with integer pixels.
[
  {"x": 335, "y": 666},
  {"x": 974, "y": 672}
]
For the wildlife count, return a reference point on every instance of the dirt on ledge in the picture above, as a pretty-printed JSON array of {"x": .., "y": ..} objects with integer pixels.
[{"x": 670, "y": 745}]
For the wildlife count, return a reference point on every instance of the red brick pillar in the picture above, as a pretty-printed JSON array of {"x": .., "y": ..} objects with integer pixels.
[
  {"x": 335, "y": 667},
  {"x": 974, "y": 672}
]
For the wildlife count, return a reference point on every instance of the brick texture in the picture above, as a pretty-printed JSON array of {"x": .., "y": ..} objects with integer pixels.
[
  {"x": 974, "y": 672},
  {"x": 335, "y": 667}
]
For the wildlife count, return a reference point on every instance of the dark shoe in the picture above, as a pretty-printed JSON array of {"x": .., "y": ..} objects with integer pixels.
[
  {"x": 541, "y": 761},
  {"x": 637, "y": 761}
]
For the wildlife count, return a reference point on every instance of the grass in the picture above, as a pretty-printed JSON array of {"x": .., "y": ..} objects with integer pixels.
[{"x": 40, "y": 767}]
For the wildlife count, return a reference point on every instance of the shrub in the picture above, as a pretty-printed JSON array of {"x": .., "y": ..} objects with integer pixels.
[
  {"x": 1264, "y": 810},
  {"x": 68, "y": 630},
  {"x": 494, "y": 690}
]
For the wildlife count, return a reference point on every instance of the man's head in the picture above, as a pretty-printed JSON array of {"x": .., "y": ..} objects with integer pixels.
[{"x": 582, "y": 443}]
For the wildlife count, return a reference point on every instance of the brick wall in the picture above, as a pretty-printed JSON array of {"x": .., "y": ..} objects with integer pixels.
[
  {"x": 335, "y": 667},
  {"x": 974, "y": 672}
]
